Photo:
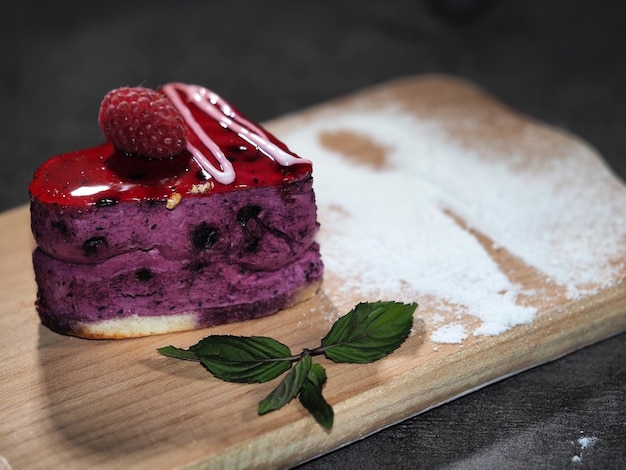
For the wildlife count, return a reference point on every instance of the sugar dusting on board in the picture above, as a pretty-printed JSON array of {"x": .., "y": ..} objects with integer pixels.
[
  {"x": 434, "y": 223},
  {"x": 584, "y": 443}
]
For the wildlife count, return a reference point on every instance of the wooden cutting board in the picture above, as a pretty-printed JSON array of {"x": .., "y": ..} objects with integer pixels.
[{"x": 73, "y": 403}]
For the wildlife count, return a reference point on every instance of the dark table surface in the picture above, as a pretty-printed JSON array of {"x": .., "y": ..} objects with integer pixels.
[{"x": 563, "y": 62}]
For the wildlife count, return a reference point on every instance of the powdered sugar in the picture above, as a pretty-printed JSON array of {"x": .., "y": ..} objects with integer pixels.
[
  {"x": 584, "y": 443},
  {"x": 429, "y": 224},
  {"x": 452, "y": 333}
]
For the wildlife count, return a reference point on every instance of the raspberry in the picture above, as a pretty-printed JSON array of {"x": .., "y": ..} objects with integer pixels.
[{"x": 141, "y": 121}]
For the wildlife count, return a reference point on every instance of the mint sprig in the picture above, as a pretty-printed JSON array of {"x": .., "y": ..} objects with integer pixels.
[
  {"x": 312, "y": 399},
  {"x": 289, "y": 387},
  {"x": 369, "y": 332}
]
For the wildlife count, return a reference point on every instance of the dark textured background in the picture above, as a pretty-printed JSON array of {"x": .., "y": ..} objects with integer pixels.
[{"x": 563, "y": 62}]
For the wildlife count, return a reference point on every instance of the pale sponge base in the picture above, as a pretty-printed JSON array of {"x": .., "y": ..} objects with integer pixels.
[{"x": 135, "y": 326}]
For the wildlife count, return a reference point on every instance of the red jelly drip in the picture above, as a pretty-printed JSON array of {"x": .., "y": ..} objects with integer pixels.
[{"x": 103, "y": 175}]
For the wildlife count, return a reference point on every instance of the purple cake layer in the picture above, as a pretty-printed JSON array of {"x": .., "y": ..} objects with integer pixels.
[
  {"x": 259, "y": 227},
  {"x": 146, "y": 284}
]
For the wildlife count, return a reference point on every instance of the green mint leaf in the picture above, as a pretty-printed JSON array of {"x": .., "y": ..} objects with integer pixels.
[
  {"x": 312, "y": 399},
  {"x": 178, "y": 353},
  {"x": 251, "y": 359},
  {"x": 288, "y": 388},
  {"x": 243, "y": 348},
  {"x": 369, "y": 332}
]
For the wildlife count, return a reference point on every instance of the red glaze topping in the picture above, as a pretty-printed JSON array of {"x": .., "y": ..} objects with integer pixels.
[{"x": 102, "y": 175}]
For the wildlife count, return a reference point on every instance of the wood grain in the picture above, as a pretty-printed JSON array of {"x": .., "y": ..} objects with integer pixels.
[{"x": 74, "y": 403}]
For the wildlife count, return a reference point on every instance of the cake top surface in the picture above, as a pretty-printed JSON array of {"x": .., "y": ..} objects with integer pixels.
[{"x": 217, "y": 150}]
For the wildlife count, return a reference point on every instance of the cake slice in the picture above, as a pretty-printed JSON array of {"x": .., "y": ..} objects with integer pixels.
[{"x": 188, "y": 216}]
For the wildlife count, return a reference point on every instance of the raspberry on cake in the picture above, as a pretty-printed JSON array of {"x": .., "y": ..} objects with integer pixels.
[
  {"x": 141, "y": 121},
  {"x": 188, "y": 216}
]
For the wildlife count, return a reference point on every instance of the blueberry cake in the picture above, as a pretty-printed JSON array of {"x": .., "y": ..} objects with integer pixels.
[{"x": 188, "y": 216}]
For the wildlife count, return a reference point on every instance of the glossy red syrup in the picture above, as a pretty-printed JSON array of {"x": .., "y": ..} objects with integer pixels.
[{"x": 101, "y": 175}]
